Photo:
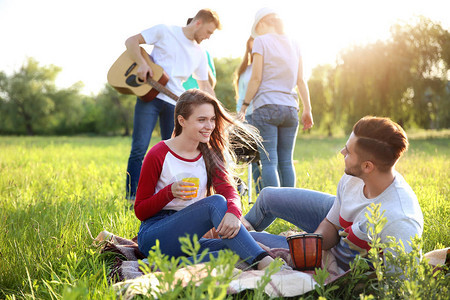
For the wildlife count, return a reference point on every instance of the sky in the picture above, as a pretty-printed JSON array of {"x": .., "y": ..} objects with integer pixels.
[{"x": 85, "y": 37}]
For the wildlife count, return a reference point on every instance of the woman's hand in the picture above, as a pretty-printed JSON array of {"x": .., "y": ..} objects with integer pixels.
[
  {"x": 241, "y": 114},
  {"x": 229, "y": 226},
  {"x": 183, "y": 190},
  {"x": 307, "y": 120}
]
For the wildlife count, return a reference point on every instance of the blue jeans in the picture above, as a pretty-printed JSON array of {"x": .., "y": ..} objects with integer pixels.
[
  {"x": 256, "y": 165},
  {"x": 304, "y": 208},
  {"x": 278, "y": 125},
  {"x": 270, "y": 240},
  {"x": 145, "y": 116},
  {"x": 198, "y": 218}
]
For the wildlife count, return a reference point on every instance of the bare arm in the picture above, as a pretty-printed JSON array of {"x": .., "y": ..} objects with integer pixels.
[
  {"x": 205, "y": 86},
  {"x": 254, "y": 82},
  {"x": 307, "y": 118},
  {"x": 133, "y": 49},
  {"x": 211, "y": 79},
  {"x": 329, "y": 231}
]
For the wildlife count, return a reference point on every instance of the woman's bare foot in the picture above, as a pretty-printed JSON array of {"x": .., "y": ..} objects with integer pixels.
[{"x": 247, "y": 224}]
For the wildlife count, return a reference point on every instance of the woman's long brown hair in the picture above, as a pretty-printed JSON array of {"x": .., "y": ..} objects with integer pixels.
[{"x": 218, "y": 152}]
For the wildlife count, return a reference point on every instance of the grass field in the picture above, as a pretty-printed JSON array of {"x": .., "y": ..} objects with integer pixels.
[{"x": 54, "y": 191}]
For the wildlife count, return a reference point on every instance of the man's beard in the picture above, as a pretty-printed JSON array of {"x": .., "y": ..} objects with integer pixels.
[{"x": 354, "y": 171}]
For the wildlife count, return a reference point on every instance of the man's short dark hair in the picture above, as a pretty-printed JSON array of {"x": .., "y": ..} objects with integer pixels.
[
  {"x": 382, "y": 139},
  {"x": 207, "y": 15}
]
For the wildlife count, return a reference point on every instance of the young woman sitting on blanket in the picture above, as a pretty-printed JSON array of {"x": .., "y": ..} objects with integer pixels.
[{"x": 170, "y": 208}]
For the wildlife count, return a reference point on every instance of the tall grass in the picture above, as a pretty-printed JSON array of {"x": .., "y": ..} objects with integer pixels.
[{"x": 55, "y": 191}]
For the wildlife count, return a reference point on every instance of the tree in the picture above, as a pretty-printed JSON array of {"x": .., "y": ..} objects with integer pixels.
[
  {"x": 321, "y": 88},
  {"x": 30, "y": 103},
  {"x": 69, "y": 111},
  {"x": 392, "y": 78},
  {"x": 116, "y": 111},
  {"x": 26, "y": 98},
  {"x": 225, "y": 69},
  {"x": 427, "y": 46}
]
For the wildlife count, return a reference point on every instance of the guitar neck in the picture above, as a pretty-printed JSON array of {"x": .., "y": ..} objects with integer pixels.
[{"x": 161, "y": 88}]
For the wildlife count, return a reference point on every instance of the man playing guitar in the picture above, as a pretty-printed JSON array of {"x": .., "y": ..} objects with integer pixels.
[{"x": 176, "y": 49}]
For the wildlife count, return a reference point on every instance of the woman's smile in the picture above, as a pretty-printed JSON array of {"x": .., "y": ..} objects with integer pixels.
[{"x": 206, "y": 133}]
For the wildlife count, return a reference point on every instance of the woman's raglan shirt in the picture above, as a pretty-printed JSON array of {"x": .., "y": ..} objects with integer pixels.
[{"x": 161, "y": 168}]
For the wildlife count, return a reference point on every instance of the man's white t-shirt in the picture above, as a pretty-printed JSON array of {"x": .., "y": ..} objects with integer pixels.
[
  {"x": 177, "y": 55},
  {"x": 398, "y": 202}
]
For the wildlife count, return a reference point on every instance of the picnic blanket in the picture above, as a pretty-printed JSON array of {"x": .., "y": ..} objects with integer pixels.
[{"x": 285, "y": 283}]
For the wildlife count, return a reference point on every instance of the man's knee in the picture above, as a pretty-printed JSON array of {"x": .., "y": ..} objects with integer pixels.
[{"x": 266, "y": 195}]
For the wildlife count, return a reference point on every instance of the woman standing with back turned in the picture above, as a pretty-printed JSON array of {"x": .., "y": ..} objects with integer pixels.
[{"x": 276, "y": 70}]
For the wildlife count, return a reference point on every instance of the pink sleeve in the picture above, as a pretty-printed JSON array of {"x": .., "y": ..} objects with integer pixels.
[
  {"x": 148, "y": 203},
  {"x": 224, "y": 188}
]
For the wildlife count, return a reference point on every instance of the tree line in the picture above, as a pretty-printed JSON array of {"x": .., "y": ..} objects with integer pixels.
[{"x": 405, "y": 77}]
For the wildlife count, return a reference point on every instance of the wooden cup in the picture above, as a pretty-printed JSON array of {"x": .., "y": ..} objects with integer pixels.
[{"x": 306, "y": 251}]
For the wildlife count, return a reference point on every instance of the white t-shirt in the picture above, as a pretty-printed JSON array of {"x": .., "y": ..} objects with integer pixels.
[
  {"x": 281, "y": 56},
  {"x": 177, "y": 55},
  {"x": 398, "y": 202}
]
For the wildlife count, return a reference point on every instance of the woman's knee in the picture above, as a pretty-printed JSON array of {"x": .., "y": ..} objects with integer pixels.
[{"x": 217, "y": 201}]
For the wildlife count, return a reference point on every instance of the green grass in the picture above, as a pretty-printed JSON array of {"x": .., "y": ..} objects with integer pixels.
[{"x": 55, "y": 190}]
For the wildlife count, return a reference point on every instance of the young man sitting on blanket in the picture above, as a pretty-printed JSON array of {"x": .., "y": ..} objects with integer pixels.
[{"x": 370, "y": 155}]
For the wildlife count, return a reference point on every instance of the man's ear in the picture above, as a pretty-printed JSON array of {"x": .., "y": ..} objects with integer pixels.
[{"x": 367, "y": 166}]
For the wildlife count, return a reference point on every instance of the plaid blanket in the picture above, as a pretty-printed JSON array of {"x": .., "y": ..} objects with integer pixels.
[{"x": 285, "y": 283}]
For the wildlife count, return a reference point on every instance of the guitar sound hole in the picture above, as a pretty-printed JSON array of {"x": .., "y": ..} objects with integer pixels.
[
  {"x": 130, "y": 69},
  {"x": 133, "y": 81}
]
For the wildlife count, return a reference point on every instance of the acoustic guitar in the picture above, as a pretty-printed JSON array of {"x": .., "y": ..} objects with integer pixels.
[{"x": 123, "y": 77}]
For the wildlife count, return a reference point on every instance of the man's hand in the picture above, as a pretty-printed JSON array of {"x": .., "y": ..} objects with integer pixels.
[
  {"x": 247, "y": 224},
  {"x": 229, "y": 226},
  {"x": 143, "y": 71},
  {"x": 134, "y": 51}
]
